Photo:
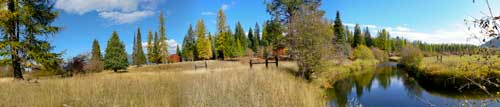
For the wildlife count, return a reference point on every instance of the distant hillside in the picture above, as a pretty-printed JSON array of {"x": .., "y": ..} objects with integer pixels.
[{"x": 495, "y": 42}]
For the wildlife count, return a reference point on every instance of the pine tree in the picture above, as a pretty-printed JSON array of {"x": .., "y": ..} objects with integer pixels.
[
  {"x": 253, "y": 40},
  {"x": 213, "y": 43},
  {"x": 96, "y": 64},
  {"x": 238, "y": 49},
  {"x": 339, "y": 29},
  {"x": 231, "y": 44},
  {"x": 349, "y": 35},
  {"x": 257, "y": 35},
  {"x": 178, "y": 52},
  {"x": 264, "y": 39},
  {"x": 96, "y": 51},
  {"x": 202, "y": 43},
  {"x": 151, "y": 56},
  {"x": 115, "y": 57},
  {"x": 156, "y": 49},
  {"x": 138, "y": 54},
  {"x": 188, "y": 45},
  {"x": 358, "y": 37},
  {"x": 162, "y": 44},
  {"x": 240, "y": 36},
  {"x": 23, "y": 23},
  {"x": 382, "y": 40},
  {"x": 368, "y": 37},
  {"x": 274, "y": 33},
  {"x": 221, "y": 45}
]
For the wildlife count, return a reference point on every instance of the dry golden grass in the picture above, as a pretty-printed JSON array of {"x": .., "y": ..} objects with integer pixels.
[{"x": 224, "y": 84}]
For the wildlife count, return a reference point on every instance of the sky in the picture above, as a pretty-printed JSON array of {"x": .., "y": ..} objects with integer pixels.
[{"x": 432, "y": 21}]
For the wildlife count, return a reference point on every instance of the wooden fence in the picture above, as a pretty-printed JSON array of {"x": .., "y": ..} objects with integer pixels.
[
  {"x": 205, "y": 65},
  {"x": 276, "y": 61}
]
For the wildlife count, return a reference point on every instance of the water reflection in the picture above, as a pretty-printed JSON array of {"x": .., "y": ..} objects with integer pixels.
[{"x": 386, "y": 85}]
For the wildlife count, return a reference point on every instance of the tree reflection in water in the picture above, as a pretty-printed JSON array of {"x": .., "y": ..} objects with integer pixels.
[{"x": 356, "y": 90}]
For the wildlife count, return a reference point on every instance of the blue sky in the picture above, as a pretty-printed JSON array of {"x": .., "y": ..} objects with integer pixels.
[{"x": 433, "y": 21}]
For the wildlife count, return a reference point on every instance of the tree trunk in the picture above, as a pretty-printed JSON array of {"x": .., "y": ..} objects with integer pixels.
[
  {"x": 16, "y": 65},
  {"x": 115, "y": 70}
]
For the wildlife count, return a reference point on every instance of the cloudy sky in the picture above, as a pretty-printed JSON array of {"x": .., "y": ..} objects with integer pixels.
[{"x": 433, "y": 21}]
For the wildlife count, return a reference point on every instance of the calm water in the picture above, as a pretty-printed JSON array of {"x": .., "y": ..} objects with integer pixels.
[{"x": 387, "y": 86}]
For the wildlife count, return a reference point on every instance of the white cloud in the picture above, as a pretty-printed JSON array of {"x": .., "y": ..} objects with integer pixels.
[
  {"x": 117, "y": 11},
  {"x": 172, "y": 45},
  {"x": 401, "y": 28},
  {"x": 208, "y": 13},
  {"x": 224, "y": 7},
  {"x": 84, "y": 6},
  {"x": 370, "y": 26},
  {"x": 351, "y": 25},
  {"x": 124, "y": 17},
  {"x": 437, "y": 36}
]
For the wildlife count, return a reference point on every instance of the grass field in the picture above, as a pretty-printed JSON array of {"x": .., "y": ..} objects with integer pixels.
[
  {"x": 224, "y": 84},
  {"x": 461, "y": 66}
]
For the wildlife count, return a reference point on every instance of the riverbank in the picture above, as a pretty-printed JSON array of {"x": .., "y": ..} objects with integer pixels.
[
  {"x": 344, "y": 70},
  {"x": 178, "y": 85},
  {"x": 459, "y": 72}
]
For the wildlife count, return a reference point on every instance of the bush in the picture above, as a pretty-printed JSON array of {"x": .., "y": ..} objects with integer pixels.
[
  {"x": 380, "y": 55},
  {"x": 411, "y": 56},
  {"x": 77, "y": 64},
  {"x": 363, "y": 52},
  {"x": 94, "y": 66}
]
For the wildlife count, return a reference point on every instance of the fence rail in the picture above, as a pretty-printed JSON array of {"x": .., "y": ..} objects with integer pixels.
[
  {"x": 267, "y": 62},
  {"x": 205, "y": 65}
]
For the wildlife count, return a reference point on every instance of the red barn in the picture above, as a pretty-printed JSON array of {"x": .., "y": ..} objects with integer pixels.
[{"x": 174, "y": 58}]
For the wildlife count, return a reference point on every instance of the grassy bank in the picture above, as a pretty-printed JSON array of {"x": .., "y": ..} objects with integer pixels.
[
  {"x": 344, "y": 70},
  {"x": 223, "y": 84},
  {"x": 456, "y": 71}
]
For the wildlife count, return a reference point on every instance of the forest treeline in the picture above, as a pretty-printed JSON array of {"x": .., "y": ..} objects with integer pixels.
[{"x": 296, "y": 31}]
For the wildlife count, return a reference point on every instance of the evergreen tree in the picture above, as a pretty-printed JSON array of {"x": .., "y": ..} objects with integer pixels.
[
  {"x": 22, "y": 24},
  {"x": 254, "y": 42},
  {"x": 96, "y": 64},
  {"x": 358, "y": 37},
  {"x": 274, "y": 33},
  {"x": 349, "y": 35},
  {"x": 96, "y": 51},
  {"x": 382, "y": 40},
  {"x": 162, "y": 44},
  {"x": 151, "y": 56},
  {"x": 178, "y": 52},
  {"x": 203, "y": 45},
  {"x": 257, "y": 36},
  {"x": 264, "y": 39},
  {"x": 232, "y": 48},
  {"x": 339, "y": 29},
  {"x": 221, "y": 45},
  {"x": 368, "y": 37},
  {"x": 188, "y": 46},
  {"x": 238, "y": 49},
  {"x": 213, "y": 43},
  {"x": 240, "y": 36},
  {"x": 115, "y": 57},
  {"x": 156, "y": 49},
  {"x": 138, "y": 53}
]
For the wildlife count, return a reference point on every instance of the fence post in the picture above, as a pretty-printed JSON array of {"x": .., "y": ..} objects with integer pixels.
[
  {"x": 250, "y": 63},
  {"x": 276, "y": 59},
  {"x": 267, "y": 62}
]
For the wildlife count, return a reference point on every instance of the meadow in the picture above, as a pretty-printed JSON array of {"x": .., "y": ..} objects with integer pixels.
[{"x": 179, "y": 85}]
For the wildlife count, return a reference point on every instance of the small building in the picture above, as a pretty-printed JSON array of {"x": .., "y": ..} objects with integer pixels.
[{"x": 174, "y": 58}]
